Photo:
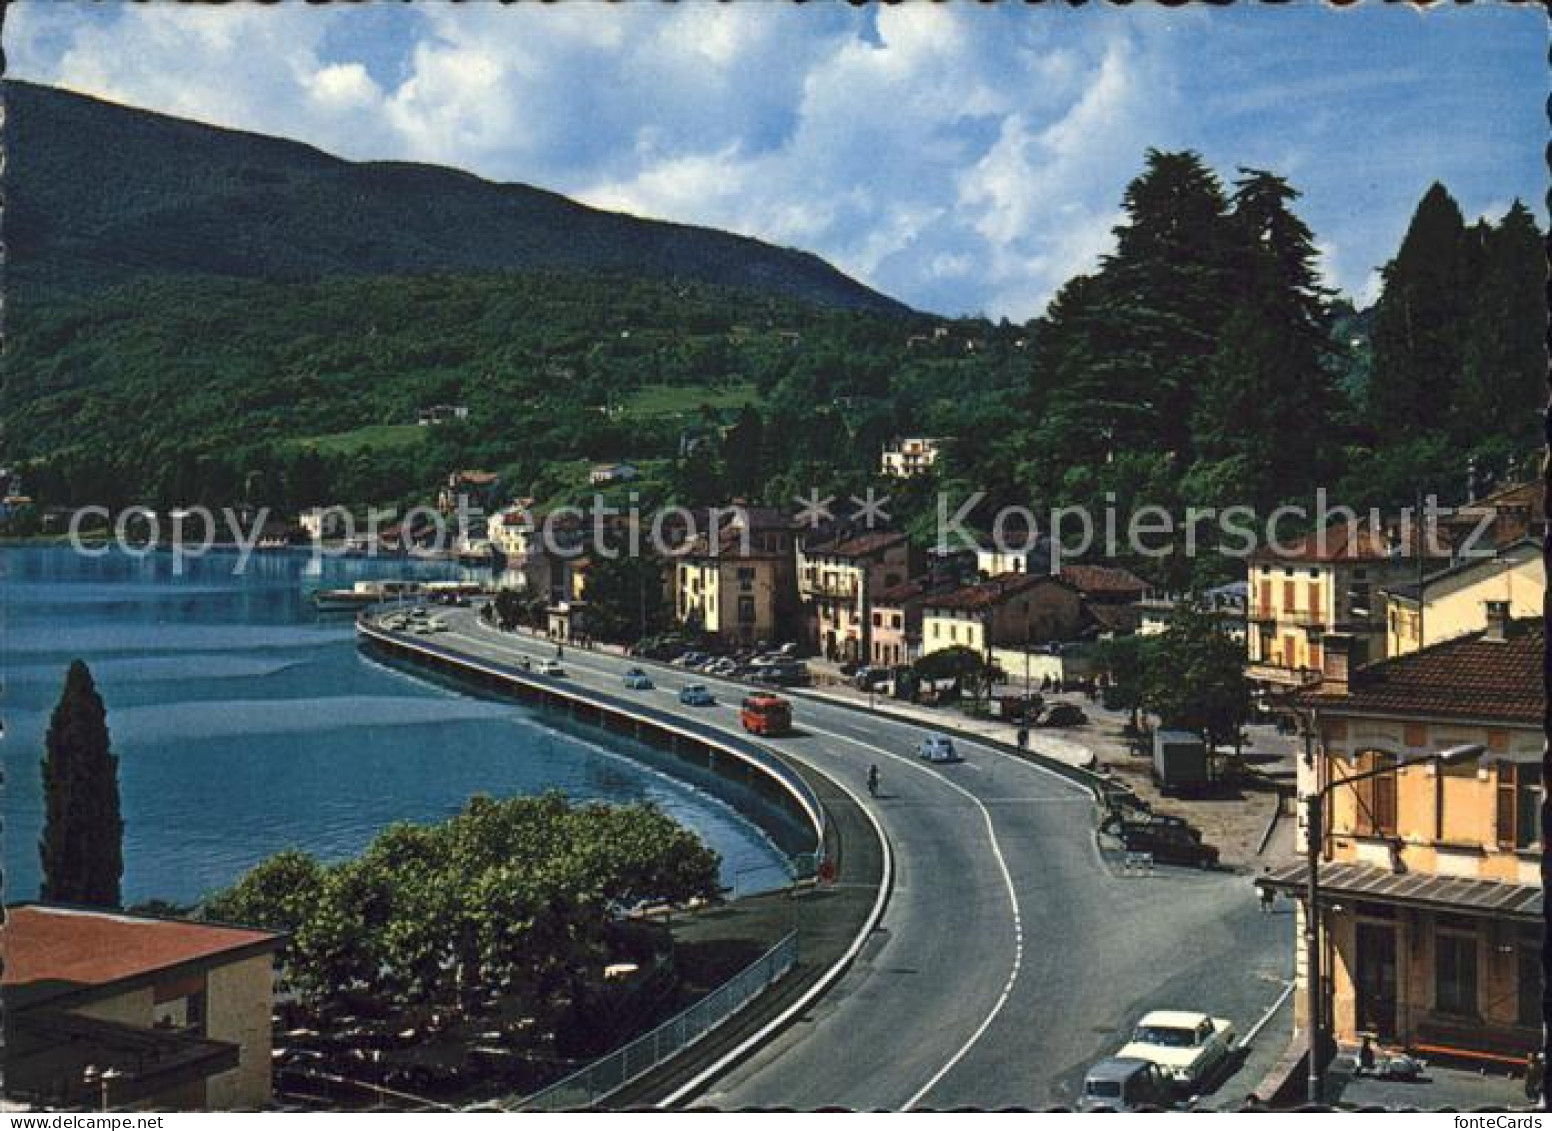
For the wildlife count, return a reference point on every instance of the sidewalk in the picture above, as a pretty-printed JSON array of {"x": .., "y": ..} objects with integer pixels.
[
  {"x": 1041, "y": 742},
  {"x": 716, "y": 943}
]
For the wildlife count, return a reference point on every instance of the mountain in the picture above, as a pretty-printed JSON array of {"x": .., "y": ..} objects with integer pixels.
[{"x": 100, "y": 194}]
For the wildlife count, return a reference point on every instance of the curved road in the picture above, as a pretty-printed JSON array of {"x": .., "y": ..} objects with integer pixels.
[{"x": 1011, "y": 955}]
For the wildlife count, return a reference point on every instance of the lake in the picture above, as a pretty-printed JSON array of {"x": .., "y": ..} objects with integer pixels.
[{"x": 245, "y": 722}]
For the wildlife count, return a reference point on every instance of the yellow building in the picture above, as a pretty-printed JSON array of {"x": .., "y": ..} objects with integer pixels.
[
  {"x": 743, "y": 593},
  {"x": 108, "y": 1011},
  {"x": 1453, "y": 601},
  {"x": 1430, "y": 878},
  {"x": 1330, "y": 581}
]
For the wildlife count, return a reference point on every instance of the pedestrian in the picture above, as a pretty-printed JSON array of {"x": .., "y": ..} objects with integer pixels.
[
  {"x": 1365, "y": 1056},
  {"x": 1535, "y": 1074},
  {"x": 1023, "y": 738}
]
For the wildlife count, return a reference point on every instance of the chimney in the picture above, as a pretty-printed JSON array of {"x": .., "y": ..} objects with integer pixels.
[
  {"x": 1335, "y": 662},
  {"x": 1497, "y": 621}
]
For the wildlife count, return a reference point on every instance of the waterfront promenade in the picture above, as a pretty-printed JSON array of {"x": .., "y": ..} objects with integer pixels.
[{"x": 1010, "y": 955}]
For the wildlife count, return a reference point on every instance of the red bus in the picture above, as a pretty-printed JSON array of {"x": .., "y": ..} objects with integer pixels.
[{"x": 769, "y": 715}]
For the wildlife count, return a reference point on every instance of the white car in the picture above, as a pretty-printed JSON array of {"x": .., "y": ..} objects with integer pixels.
[
  {"x": 551, "y": 668},
  {"x": 937, "y": 748},
  {"x": 1189, "y": 1046}
]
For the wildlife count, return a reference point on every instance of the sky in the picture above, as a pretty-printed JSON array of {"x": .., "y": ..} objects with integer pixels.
[{"x": 964, "y": 159}]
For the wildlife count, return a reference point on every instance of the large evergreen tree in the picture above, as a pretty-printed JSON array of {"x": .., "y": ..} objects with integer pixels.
[
  {"x": 1419, "y": 322},
  {"x": 1269, "y": 396},
  {"x": 82, "y": 846},
  {"x": 1125, "y": 349},
  {"x": 1503, "y": 356}
]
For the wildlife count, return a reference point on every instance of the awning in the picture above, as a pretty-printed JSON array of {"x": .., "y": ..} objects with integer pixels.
[{"x": 1492, "y": 898}]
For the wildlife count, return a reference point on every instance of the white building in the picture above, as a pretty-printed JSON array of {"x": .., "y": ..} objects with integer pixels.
[{"x": 910, "y": 456}]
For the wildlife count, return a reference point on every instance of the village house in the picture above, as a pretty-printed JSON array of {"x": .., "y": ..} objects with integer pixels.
[
  {"x": 1002, "y": 616},
  {"x": 1224, "y": 603},
  {"x": 109, "y": 1010},
  {"x": 441, "y": 414},
  {"x": 839, "y": 576},
  {"x": 1430, "y": 910},
  {"x": 1453, "y": 601},
  {"x": 744, "y": 592},
  {"x": 1110, "y": 594},
  {"x": 466, "y": 491},
  {"x": 910, "y": 456},
  {"x": 897, "y": 624},
  {"x": 605, "y": 474},
  {"x": 1327, "y": 582}
]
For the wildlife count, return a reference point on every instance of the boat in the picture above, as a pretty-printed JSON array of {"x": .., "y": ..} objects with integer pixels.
[{"x": 362, "y": 594}]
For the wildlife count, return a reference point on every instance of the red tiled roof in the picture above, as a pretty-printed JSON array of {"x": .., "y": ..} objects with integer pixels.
[
  {"x": 1468, "y": 677},
  {"x": 900, "y": 594},
  {"x": 859, "y": 545},
  {"x": 73, "y": 948},
  {"x": 1112, "y": 580},
  {"x": 991, "y": 592},
  {"x": 1356, "y": 541}
]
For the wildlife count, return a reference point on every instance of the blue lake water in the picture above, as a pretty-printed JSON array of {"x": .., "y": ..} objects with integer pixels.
[{"x": 246, "y": 723}]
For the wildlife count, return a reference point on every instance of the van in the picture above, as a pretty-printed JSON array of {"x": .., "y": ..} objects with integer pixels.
[{"x": 1125, "y": 1084}]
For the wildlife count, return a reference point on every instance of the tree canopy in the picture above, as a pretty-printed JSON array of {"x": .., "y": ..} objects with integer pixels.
[{"x": 517, "y": 891}]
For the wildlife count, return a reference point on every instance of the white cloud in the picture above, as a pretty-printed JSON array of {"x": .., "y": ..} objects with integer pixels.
[{"x": 959, "y": 157}]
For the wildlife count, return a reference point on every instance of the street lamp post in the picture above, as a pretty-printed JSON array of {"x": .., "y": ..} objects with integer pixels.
[{"x": 1313, "y": 802}]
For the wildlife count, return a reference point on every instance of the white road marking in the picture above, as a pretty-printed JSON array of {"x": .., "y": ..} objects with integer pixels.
[
  {"x": 1255, "y": 1030},
  {"x": 1002, "y": 865}
]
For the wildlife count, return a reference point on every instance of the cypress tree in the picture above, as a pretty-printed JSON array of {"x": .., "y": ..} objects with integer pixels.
[{"x": 82, "y": 846}]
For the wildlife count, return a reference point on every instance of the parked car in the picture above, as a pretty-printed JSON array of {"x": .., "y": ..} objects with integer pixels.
[
  {"x": 696, "y": 695},
  {"x": 1168, "y": 843},
  {"x": 689, "y": 659},
  {"x": 870, "y": 678},
  {"x": 551, "y": 668},
  {"x": 937, "y": 748},
  {"x": 1126, "y": 1084},
  {"x": 1062, "y": 715},
  {"x": 638, "y": 680},
  {"x": 1189, "y": 1046}
]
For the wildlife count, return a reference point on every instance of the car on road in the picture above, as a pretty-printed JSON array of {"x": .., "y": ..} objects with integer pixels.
[
  {"x": 937, "y": 748},
  {"x": 696, "y": 695},
  {"x": 638, "y": 680},
  {"x": 552, "y": 668},
  {"x": 1126, "y": 1084},
  {"x": 1062, "y": 715},
  {"x": 1167, "y": 842},
  {"x": 1187, "y": 1045}
]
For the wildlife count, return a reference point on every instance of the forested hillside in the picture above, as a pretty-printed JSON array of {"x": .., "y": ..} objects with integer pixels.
[
  {"x": 1201, "y": 364},
  {"x": 99, "y": 194}
]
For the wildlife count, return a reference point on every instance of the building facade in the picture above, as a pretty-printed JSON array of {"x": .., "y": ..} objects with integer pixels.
[
  {"x": 910, "y": 456},
  {"x": 1328, "y": 582},
  {"x": 1011, "y": 610},
  {"x": 839, "y": 578},
  {"x": 1453, "y": 601},
  {"x": 178, "y": 1010},
  {"x": 1430, "y": 915}
]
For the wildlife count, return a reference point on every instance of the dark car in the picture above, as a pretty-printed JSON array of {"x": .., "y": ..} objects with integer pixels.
[
  {"x": 1168, "y": 843},
  {"x": 1125, "y": 1084},
  {"x": 1063, "y": 715}
]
